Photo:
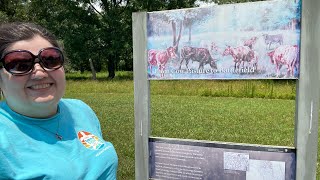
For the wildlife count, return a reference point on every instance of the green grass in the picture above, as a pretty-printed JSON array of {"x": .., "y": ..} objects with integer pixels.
[
  {"x": 224, "y": 119},
  {"x": 255, "y": 112},
  {"x": 270, "y": 89}
]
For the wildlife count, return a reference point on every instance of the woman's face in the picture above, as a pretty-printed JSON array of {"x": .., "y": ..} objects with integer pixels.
[{"x": 38, "y": 93}]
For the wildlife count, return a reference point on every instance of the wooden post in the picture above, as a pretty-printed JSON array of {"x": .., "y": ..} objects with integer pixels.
[
  {"x": 308, "y": 86},
  {"x": 141, "y": 95}
]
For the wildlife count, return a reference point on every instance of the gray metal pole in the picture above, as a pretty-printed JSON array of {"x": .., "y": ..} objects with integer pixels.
[
  {"x": 308, "y": 86},
  {"x": 141, "y": 95}
]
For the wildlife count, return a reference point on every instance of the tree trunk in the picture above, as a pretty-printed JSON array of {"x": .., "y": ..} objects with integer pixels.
[
  {"x": 189, "y": 33},
  {"x": 174, "y": 32},
  {"x": 179, "y": 36},
  {"x": 81, "y": 69},
  {"x": 293, "y": 24},
  {"x": 111, "y": 68},
  {"x": 93, "y": 71}
]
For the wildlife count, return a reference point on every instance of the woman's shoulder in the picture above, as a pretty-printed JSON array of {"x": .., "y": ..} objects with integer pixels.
[
  {"x": 4, "y": 114},
  {"x": 74, "y": 105},
  {"x": 5, "y": 120},
  {"x": 2, "y": 104}
]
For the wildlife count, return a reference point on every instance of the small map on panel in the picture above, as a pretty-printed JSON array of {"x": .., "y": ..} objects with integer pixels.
[
  {"x": 236, "y": 161},
  {"x": 266, "y": 170}
]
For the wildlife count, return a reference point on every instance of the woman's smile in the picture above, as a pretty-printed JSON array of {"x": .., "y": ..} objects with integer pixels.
[{"x": 40, "y": 86}]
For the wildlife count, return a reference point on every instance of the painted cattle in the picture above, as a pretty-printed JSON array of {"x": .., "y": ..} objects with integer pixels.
[
  {"x": 250, "y": 42},
  {"x": 272, "y": 39},
  {"x": 209, "y": 45},
  {"x": 253, "y": 59},
  {"x": 240, "y": 55},
  {"x": 201, "y": 55},
  {"x": 214, "y": 48},
  {"x": 160, "y": 58},
  {"x": 287, "y": 55}
]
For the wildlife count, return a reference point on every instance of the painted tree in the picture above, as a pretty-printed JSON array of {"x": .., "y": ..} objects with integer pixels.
[
  {"x": 193, "y": 17},
  {"x": 178, "y": 20}
]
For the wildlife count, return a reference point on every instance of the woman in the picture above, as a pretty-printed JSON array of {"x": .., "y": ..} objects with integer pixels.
[{"x": 42, "y": 135}]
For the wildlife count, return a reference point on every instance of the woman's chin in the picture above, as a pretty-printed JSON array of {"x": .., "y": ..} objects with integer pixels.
[{"x": 48, "y": 99}]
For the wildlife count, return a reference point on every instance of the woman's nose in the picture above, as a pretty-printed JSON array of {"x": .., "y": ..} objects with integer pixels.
[
  {"x": 38, "y": 72},
  {"x": 37, "y": 66}
]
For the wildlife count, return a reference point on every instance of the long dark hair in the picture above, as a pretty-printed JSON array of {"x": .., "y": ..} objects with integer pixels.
[{"x": 19, "y": 31}]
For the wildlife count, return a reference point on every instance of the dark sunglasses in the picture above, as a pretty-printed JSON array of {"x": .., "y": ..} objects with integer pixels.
[{"x": 21, "y": 62}]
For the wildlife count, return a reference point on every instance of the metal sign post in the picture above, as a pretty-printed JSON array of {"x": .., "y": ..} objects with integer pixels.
[
  {"x": 307, "y": 99},
  {"x": 141, "y": 96}
]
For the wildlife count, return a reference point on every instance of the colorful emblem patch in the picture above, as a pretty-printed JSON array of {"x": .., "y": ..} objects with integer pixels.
[{"x": 90, "y": 141}]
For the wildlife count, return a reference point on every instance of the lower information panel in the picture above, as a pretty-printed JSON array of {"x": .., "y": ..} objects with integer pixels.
[{"x": 171, "y": 158}]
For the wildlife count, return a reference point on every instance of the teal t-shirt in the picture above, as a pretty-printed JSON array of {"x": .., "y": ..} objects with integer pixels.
[{"x": 29, "y": 148}]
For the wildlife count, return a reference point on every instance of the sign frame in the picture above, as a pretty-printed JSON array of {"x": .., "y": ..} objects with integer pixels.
[{"x": 307, "y": 95}]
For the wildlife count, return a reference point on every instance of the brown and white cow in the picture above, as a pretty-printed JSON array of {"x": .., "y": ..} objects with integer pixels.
[
  {"x": 160, "y": 58},
  {"x": 287, "y": 55},
  {"x": 240, "y": 54},
  {"x": 250, "y": 42},
  {"x": 201, "y": 55}
]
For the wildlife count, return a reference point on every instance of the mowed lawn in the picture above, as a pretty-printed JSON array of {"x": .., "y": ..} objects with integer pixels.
[{"x": 255, "y": 112}]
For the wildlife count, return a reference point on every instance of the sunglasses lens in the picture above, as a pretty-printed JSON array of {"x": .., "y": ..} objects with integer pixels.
[
  {"x": 21, "y": 62},
  {"x": 18, "y": 62},
  {"x": 51, "y": 58}
]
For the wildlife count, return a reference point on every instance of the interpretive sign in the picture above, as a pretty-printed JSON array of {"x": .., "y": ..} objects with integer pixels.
[
  {"x": 259, "y": 40},
  {"x": 199, "y": 160},
  {"x": 158, "y": 40}
]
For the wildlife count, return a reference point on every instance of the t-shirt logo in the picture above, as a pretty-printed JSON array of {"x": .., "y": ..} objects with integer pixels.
[{"x": 90, "y": 141}]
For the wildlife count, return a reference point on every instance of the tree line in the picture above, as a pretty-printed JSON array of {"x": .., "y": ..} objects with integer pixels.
[{"x": 96, "y": 35}]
